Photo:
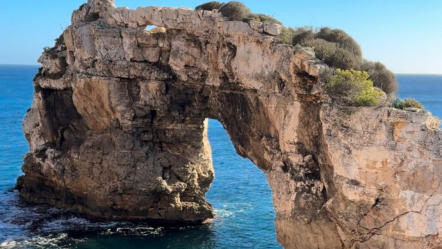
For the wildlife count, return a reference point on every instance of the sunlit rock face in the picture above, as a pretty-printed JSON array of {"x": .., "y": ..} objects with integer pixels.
[{"x": 117, "y": 131}]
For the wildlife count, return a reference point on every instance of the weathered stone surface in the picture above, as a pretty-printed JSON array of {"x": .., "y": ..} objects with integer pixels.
[
  {"x": 255, "y": 25},
  {"x": 117, "y": 131},
  {"x": 272, "y": 28}
]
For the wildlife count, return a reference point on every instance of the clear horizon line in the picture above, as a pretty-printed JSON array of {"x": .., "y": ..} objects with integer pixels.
[
  {"x": 38, "y": 65},
  {"x": 435, "y": 74}
]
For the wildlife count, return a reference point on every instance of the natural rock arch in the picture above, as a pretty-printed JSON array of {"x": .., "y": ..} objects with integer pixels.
[{"x": 117, "y": 131}]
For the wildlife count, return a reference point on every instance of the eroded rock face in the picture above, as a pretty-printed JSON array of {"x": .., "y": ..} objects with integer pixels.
[{"x": 117, "y": 131}]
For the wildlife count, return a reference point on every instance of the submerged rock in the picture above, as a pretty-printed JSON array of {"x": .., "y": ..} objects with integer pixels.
[{"x": 117, "y": 131}]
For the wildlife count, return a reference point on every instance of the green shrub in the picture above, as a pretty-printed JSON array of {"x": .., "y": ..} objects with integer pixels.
[
  {"x": 287, "y": 35},
  {"x": 338, "y": 50},
  {"x": 344, "y": 82},
  {"x": 302, "y": 35},
  {"x": 336, "y": 36},
  {"x": 353, "y": 88},
  {"x": 342, "y": 39},
  {"x": 235, "y": 11},
  {"x": 333, "y": 55},
  {"x": 334, "y": 47},
  {"x": 381, "y": 76},
  {"x": 370, "y": 96},
  {"x": 343, "y": 59},
  {"x": 209, "y": 6},
  {"x": 323, "y": 49},
  {"x": 407, "y": 103},
  {"x": 263, "y": 18}
]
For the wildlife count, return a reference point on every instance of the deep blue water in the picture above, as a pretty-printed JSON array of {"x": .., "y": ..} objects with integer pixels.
[
  {"x": 239, "y": 193},
  {"x": 425, "y": 88}
]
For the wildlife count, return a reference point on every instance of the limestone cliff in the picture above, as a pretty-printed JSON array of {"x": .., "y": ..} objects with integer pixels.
[{"x": 117, "y": 131}]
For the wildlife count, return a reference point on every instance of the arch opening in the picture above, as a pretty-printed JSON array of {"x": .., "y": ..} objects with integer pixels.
[
  {"x": 153, "y": 29},
  {"x": 240, "y": 195}
]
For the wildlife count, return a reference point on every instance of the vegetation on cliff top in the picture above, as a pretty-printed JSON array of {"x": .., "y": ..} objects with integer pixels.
[
  {"x": 333, "y": 46},
  {"x": 236, "y": 11},
  {"x": 407, "y": 103},
  {"x": 354, "y": 88},
  {"x": 339, "y": 50}
]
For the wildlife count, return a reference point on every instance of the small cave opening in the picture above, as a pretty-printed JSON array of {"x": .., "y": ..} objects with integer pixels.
[
  {"x": 240, "y": 195},
  {"x": 155, "y": 29},
  {"x": 150, "y": 27}
]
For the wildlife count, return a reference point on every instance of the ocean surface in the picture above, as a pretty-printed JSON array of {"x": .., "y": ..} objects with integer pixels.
[{"x": 239, "y": 193}]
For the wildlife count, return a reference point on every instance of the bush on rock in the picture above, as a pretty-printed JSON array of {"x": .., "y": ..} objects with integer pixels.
[
  {"x": 235, "y": 11},
  {"x": 407, "y": 103},
  {"x": 334, "y": 47},
  {"x": 381, "y": 76},
  {"x": 354, "y": 88},
  {"x": 209, "y": 6}
]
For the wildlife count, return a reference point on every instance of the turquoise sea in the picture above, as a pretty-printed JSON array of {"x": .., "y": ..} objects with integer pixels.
[{"x": 239, "y": 193}]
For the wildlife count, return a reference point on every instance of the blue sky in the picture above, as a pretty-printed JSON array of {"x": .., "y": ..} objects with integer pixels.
[{"x": 406, "y": 35}]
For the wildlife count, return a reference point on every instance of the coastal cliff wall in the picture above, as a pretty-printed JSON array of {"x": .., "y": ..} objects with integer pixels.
[{"x": 117, "y": 130}]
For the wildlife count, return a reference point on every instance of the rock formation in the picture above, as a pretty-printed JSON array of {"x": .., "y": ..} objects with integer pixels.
[{"x": 117, "y": 131}]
